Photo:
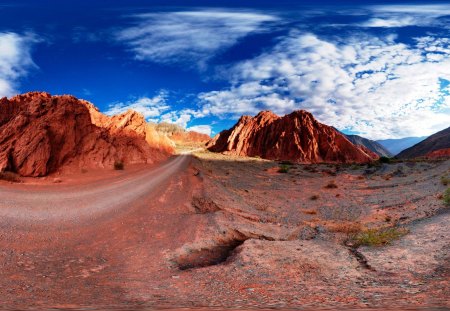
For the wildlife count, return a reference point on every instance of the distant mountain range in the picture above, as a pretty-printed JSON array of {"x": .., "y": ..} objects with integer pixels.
[
  {"x": 395, "y": 146},
  {"x": 438, "y": 141},
  {"x": 370, "y": 144}
]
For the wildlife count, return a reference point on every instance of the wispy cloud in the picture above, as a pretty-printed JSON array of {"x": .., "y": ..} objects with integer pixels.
[
  {"x": 373, "y": 86},
  {"x": 189, "y": 36},
  {"x": 15, "y": 60},
  {"x": 390, "y": 16}
]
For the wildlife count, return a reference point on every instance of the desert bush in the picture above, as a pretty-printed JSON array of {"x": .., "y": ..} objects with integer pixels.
[
  {"x": 119, "y": 165},
  {"x": 314, "y": 197},
  {"x": 10, "y": 176},
  {"x": 385, "y": 160},
  {"x": 379, "y": 237},
  {"x": 284, "y": 168},
  {"x": 331, "y": 185},
  {"x": 446, "y": 197},
  {"x": 445, "y": 180}
]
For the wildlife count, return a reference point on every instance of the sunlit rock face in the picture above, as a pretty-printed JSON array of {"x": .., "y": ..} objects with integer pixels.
[
  {"x": 40, "y": 134},
  {"x": 295, "y": 137}
]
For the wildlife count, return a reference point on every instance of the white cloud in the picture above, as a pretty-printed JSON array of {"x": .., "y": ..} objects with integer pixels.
[
  {"x": 398, "y": 21},
  {"x": 374, "y": 86},
  {"x": 151, "y": 108},
  {"x": 190, "y": 36},
  {"x": 204, "y": 129},
  {"x": 15, "y": 60}
]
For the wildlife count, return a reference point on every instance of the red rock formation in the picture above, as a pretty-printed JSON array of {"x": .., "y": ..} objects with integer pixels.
[
  {"x": 40, "y": 134},
  {"x": 295, "y": 137},
  {"x": 439, "y": 154}
]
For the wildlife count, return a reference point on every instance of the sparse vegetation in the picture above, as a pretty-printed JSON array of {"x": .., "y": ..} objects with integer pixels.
[
  {"x": 284, "y": 168},
  {"x": 314, "y": 197},
  {"x": 446, "y": 197},
  {"x": 385, "y": 160},
  {"x": 331, "y": 185},
  {"x": 10, "y": 176},
  {"x": 119, "y": 165},
  {"x": 445, "y": 180},
  {"x": 378, "y": 237}
]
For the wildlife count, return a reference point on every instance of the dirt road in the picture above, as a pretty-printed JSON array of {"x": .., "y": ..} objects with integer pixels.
[{"x": 94, "y": 244}]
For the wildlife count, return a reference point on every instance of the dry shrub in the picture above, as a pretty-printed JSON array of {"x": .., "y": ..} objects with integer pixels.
[
  {"x": 379, "y": 237},
  {"x": 331, "y": 185}
]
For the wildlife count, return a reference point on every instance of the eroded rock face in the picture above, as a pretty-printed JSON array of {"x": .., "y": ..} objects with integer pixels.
[
  {"x": 40, "y": 134},
  {"x": 189, "y": 137},
  {"x": 295, "y": 137}
]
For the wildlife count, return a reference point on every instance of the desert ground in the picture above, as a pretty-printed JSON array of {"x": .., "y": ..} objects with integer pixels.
[{"x": 211, "y": 230}]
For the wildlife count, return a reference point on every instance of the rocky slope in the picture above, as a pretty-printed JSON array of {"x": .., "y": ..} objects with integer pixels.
[
  {"x": 295, "y": 137},
  {"x": 438, "y": 141},
  {"x": 40, "y": 134},
  {"x": 439, "y": 154},
  {"x": 369, "y": 144}
]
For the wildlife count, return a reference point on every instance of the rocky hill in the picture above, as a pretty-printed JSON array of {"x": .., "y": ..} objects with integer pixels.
[
  {"x": 40, "y": 134},
  {"x": 295, "y": 137},
  {"x": 438, "y": 141},
  {"x": 369, "y": 144},
  {"x": 179, "y": 135}
]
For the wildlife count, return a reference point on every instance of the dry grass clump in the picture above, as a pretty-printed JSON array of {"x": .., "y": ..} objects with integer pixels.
[
  {"x": 378, "y": 237},
  {"x": 10, "y": 176},
  {"x": 331, "y": 185}
]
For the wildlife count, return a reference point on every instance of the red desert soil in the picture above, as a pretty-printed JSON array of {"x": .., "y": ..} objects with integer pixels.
[
  {"x": 215, "y": 230},
  {"x": 296, "y": 137}
]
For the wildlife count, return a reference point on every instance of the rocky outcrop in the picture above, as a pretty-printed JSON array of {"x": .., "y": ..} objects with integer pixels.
[
  {"x": 40, "y": 134},
  {"x": 371, "y": 145},
  {"x": 438, "y": 141},
  {"x": 295, "y": 137}
]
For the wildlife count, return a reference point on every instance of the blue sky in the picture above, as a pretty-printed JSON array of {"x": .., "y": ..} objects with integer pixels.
[{"x": 380, "y": 69}]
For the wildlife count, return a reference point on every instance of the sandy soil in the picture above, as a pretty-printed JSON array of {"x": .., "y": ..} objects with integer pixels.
[{"x": 227, "y": 232}]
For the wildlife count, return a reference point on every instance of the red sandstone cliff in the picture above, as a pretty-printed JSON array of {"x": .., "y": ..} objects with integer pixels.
[
  {"x": 296, "y": 137},
  {"x": 40, "y": 134}
]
